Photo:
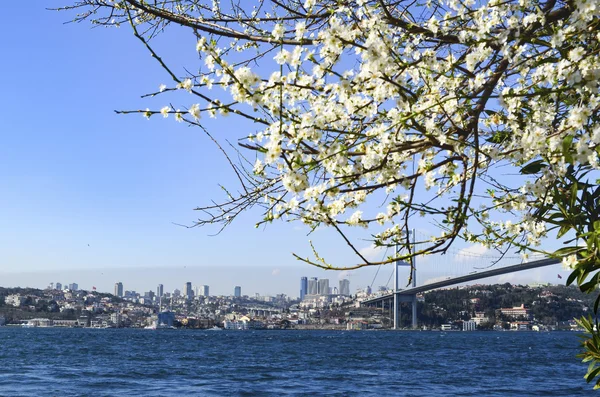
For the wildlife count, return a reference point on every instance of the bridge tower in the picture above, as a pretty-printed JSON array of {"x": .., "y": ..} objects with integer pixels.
[{"x": 414, "y": 284}]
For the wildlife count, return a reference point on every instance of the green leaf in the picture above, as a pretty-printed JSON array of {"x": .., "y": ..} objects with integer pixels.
[
  {"x": 591, "y": 375},
  {"x": 566, "y": 148},
  {"x": 572, "y": 277},
  {"x": 533, "y": 167},
  {"x": 563, "y": 230},
  {"x": 567, "y": 250},
  {"x": 573, "y": 194}
]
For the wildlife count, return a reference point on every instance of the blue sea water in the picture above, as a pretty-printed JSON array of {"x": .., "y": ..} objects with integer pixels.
[{"x": 130, "y": 362}]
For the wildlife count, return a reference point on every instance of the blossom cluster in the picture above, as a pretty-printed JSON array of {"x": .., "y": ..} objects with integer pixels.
[{"x": 359, "y": 102}]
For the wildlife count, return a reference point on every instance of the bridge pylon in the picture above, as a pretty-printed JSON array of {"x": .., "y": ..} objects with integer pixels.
[{"x": 397, "y": 299}]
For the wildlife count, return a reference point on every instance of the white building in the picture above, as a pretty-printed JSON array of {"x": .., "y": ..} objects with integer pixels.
[
  {"x": 15, "y": 300},
  {"x": 40, "y": 322},
  {"x": 235, "y": 324},
  {"x": 516, "y": 312},
  {"x": 469, "y": 326},
  {"x": 480, "y": 318},
  {"x": 116, "y": 319}
]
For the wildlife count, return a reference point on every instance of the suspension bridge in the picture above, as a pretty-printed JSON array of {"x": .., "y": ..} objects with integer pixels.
[{"x": 461, "y": 266}]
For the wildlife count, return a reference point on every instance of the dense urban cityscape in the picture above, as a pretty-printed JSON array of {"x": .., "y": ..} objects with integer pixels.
[{"x": 319, "y": 306}]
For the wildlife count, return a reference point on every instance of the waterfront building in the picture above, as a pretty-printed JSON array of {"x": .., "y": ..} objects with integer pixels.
[
  {"x": 119, "y": 289},
  {"x": 235, "y": 324},
  {"x": 303, "y": 287},
  {"x": 237, "y": 291},
  {"x": 160, "y": 291},
  {"x": 116, "y": 319},
  {"x": 65, "y": 323},
  {"x": 520, "y": 326},
  {"x": 344, "y": 287},
  {"x": 469, "y": 325},
  {"x": 313, "y": 289},
  {"x": 59, "y": 286},
  {"x": 516, "y": 312},
  {"x": 205, "y": 290},
  {"x": 187, "y": 290},
  {"x": 40, "y": 322},
  {"x": 166, "y": 318},
  {"x": 479, "y": 318},
  {"x": 323, "y": 286}
]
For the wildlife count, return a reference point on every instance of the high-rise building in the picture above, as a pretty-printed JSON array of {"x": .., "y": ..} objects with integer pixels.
[
  {"x": 187, "y": 290},
  {"x": 237, "y": 291},
  {"x": 313, "y": 288},
  {"x": 344, "y": 287},
  {"x": 119, "y": 289},
  {"x": 176, "y": 292},
  {"x": 59, "y": 286},
  {"x": 149, "y": 296},
  {"x": 323, "y": 287},
  {"x": 205, "y": 290},
  {"x": 160, "y": 290},
  {"x": 303, "y": 287},
  {"x": 73, "y": 287}
]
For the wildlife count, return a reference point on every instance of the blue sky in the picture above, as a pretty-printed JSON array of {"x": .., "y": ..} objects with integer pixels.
[{"x": 89, "y": 194}]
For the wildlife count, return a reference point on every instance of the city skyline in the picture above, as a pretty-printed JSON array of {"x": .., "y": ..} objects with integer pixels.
[{"x": 262, "y": 280}]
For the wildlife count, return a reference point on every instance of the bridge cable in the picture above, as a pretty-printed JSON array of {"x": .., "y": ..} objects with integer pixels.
[{"x": 379, "y": 267}]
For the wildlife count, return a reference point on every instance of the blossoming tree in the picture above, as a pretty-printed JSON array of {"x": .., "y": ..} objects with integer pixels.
[{"x": 481, "y": 116}]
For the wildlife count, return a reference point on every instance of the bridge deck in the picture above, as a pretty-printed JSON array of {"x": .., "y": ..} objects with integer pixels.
[{"x": 468, "y": 277}]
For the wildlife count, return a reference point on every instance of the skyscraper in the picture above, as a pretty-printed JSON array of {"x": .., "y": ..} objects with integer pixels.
[
  {"x": 159, "y": 290},
  {"x": 59, "y": 286},
  {"x": 303, "y": 287},
  {"x": 119, "y": 289},
  {"x": 205, "y": 290},
  {"x": 344, "y": 287},
  {"x": 187, "y": 290},
  {"x": 73, "y": 287},
  {"x": 313, "y": 289},
  {"x": 323, "y": 286},
  {"x": 237, "y": 291}
]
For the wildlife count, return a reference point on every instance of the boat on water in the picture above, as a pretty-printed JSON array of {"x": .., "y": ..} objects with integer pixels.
[
  {"x": 160, "y": 326},
  {"x": 215, "y": 328}
]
